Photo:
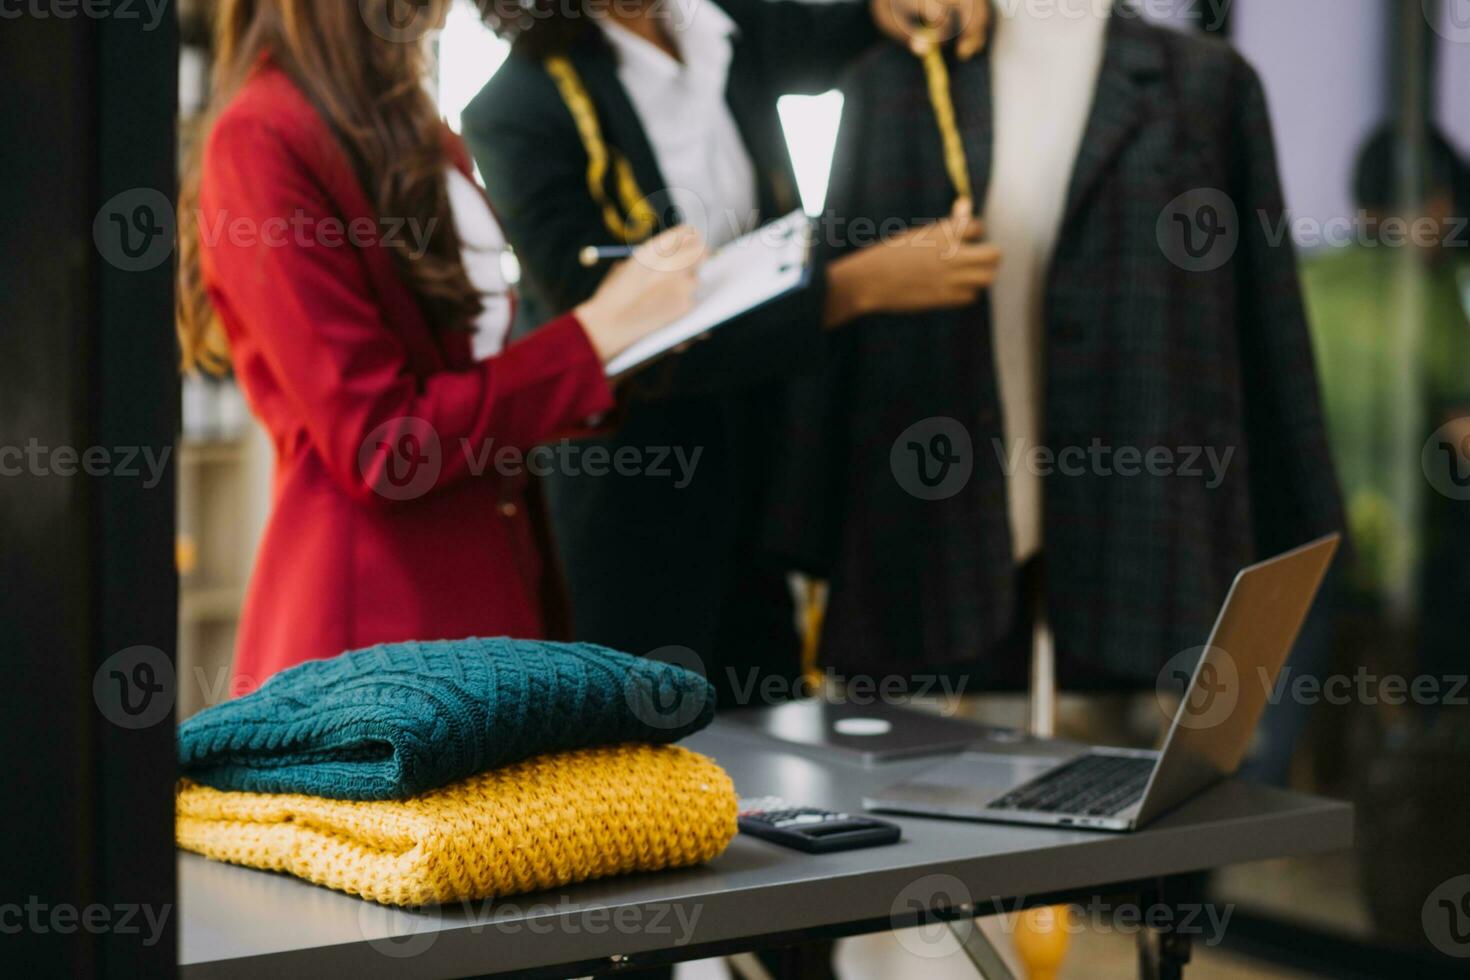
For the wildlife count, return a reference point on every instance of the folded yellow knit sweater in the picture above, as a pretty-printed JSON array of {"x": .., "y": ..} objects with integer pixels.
[{"x": 545, "y": 822}]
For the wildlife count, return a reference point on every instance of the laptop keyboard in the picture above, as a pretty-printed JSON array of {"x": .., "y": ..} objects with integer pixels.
[{"x": 1092, "y": 786}]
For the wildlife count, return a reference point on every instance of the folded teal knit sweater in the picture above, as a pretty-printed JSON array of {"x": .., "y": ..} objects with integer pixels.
[{"x": 392, "y": 721}]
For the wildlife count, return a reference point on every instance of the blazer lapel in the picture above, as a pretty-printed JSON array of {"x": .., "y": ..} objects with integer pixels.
[
  {"x": 745, "y": 95},
  {"x": 597, "y": 63},
  {"x": 1130, "y": 60},
  {"x": 970, "y": 89}
]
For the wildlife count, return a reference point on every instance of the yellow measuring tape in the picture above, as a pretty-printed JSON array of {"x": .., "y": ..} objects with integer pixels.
[
  {"x": 939, "y": 98},
  {"x": 635, "y": 220}
]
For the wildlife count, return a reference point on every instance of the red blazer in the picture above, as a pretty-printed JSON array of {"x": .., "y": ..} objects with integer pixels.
[{"x": 380, "y": 528}]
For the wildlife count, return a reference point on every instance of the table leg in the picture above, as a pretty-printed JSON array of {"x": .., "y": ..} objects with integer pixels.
[
  {"x": 1163, "y": 953},
  {"x": 981, "y": 951}
]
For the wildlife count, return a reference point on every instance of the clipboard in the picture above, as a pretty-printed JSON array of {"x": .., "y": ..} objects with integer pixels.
[{"x": 742, "y": 276}]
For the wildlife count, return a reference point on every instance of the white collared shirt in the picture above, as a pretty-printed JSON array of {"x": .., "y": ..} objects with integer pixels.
[
  {"x": 482, "y": 247},
  {"x": 682, "y": 107}
]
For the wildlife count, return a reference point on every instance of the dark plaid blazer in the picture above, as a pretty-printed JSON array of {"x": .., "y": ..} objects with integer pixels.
[{"x": 1140, "y": 352}]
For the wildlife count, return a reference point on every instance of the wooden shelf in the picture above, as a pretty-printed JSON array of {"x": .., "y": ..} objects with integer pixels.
[
  {"x": 212, "y": 452},
  {"x": 210, "y": 605}
]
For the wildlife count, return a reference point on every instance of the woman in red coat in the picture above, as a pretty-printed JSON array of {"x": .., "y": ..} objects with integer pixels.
[{"x": 335, "y": 252}]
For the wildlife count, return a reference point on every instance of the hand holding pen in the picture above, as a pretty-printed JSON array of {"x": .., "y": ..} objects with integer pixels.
[{"x": 645, "y": 292}]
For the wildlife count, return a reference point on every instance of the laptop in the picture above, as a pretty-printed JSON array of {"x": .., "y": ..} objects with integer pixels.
[{"x": 1124, "y": 789}]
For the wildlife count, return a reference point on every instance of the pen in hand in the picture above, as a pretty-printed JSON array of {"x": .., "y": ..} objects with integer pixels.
[{"x": 594, "y": 254}]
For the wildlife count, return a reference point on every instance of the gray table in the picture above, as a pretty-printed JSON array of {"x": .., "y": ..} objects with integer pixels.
[{"x": 237, "y": 922}]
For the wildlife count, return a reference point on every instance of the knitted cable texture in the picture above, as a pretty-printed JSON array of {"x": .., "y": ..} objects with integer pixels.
[
  {"x": 538, "y": 824},
  {"x": 393, "y": 721}
]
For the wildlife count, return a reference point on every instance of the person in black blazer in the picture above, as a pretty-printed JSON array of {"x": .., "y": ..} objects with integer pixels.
[{"x": 656, "y": 562}]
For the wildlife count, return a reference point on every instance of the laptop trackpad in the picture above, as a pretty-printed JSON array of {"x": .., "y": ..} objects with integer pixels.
[{"x": 970, "y": 780}]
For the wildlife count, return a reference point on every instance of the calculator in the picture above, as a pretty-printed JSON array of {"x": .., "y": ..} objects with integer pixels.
[{"x": 812, "y": 829}]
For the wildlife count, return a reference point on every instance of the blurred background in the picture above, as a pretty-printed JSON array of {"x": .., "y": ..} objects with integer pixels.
[{"x": 1371, "y": 105}]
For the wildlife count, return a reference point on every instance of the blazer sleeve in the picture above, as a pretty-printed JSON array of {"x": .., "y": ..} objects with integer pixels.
[
  {"x": 310, "y": 311},
  {"x": 1293, "y": 485},
  {"x": 535, "y": 170}
]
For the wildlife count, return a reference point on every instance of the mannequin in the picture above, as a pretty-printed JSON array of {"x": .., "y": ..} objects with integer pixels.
[
  {"x": 1084, "y": 127},
  {"x": 1044, "y": 70}
]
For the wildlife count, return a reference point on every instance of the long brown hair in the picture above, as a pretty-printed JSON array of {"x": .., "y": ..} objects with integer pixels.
[{"x": 364, "y": 73}]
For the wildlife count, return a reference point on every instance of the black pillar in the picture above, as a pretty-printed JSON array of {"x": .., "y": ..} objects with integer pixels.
[{"x": 88, "y": 406}]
